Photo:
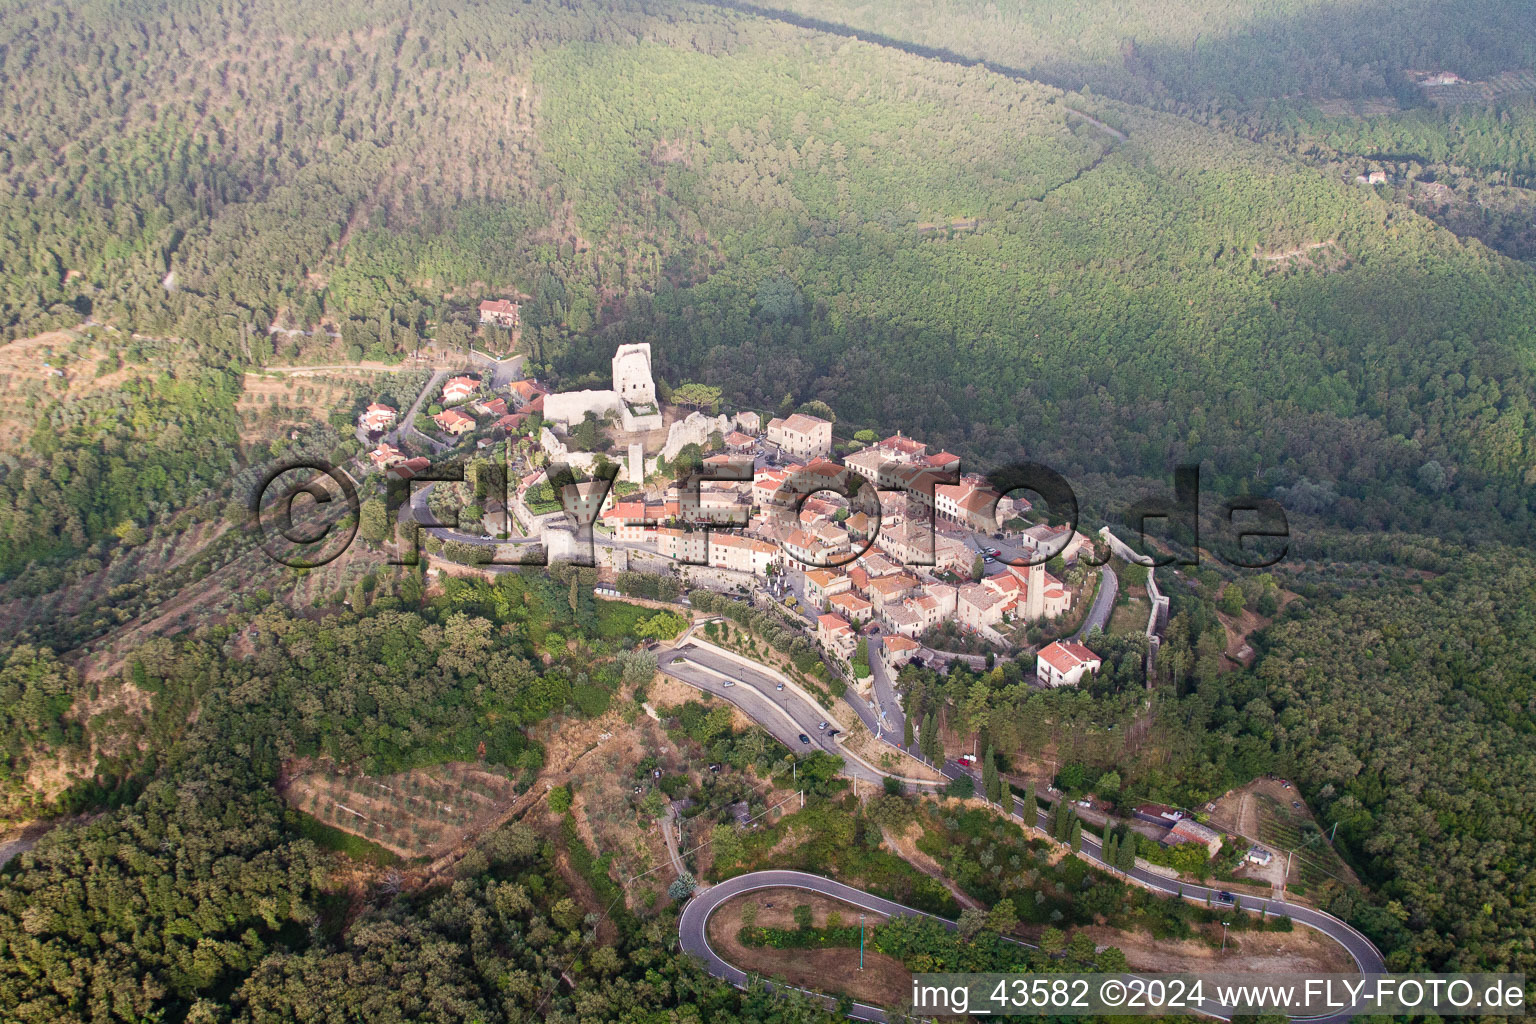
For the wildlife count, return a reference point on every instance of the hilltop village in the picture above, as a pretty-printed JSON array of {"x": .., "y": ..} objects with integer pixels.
[{"x": 877, "y": 544}]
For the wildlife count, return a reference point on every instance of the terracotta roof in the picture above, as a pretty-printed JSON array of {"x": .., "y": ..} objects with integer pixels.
[
  {"x": 905, "y": 445},
  {"x": 800, "y": 423},
  {"x": 823, "y": 577},
  {"x": 897, "y": 642},
  {"x": 1066, "y": 655}
]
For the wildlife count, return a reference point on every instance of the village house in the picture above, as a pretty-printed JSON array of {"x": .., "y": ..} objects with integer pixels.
[
  {"x": 974, "y": 507},
  {"x": 410, "y": 468},
  {"x": 1188, "y": 830},
  {"x": 765, "y": 488},
  {"x": 877, "y": 565},
  {"x": 511, "y": 422},
  {"x": 1016, "y": 583},
  {"x": 689, "y": 546},
  {"x": 1064, "y": 662},
  {"x": 898, "y": 650},
  {"x": 738, "y": 443},
  {"x": 377, "y": 417},
  {"x": 385, "y": 455},
  {"x": 523, "y": 392},
  {"x": 802, "y": 436},
  {"x": 740, "y": 554},
  {"x": 821, "y": 584},
  {"x": 890, "y": 590},
  {"x": 801, "y": 546},
  {"x": 454, "y": 422},
  {"x": 980, "y": 608},
  {"x": 750, "y": 422},
  {"x": 902, "y": 619},
  {"x": 909, "y": 543},
  {"x": 630, "y": 522},
  {"x": 947, "y": 596},
  {"x": 836, "y": 635},
  {"x": 851, "y": 606},
  {"x": 859, "y": 525},
  {"x": 834, "y": 540},
  {"x": 501, "y": 312},
  {"x": 902, "y": 448},
  {"x": 494, "y": 407},
  {"x": 946, "y": 461},
  {"x": 867, "y": 463},
  {"x": 926, "y": 609},
  {"x": 456, "y": 389}
]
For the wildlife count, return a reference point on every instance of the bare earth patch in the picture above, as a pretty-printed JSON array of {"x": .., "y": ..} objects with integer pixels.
[
  {"x": 832, "y": 971},
  {"x": 1299, "y": 951},
  {"x": 905, "y": 847}
]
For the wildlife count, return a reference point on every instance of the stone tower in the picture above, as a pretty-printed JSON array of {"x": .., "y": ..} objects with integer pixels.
[{"x": 1034, "y": 596}]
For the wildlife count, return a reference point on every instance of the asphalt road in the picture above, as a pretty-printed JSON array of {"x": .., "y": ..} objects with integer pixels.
[
  {"x": 1360, "y": 948},
  {"x": 693, "y": 936},
  {"x": 784, "y": 714},
  {"x": 892, "y": 718},
  {"x": 768, "y": 706},
  {"x": 1103, "y": 603}
]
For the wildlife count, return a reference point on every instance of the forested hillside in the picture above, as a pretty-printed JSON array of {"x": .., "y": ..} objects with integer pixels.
[
  {"x": 1198, "y": 56},
  {"x": 1162, "y": 267},
  {"x": 1412, "y": 715},
  {"x": 1109, "y": 306},
  {"x": 203, "y": 899}
]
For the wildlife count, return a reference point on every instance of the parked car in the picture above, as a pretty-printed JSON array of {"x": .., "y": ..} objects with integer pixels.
[
  {"x": 966, "y": 760},
  {"x": 727, "y": 682},
  {"x": 779, "y": 687},
  {"x": 823, "y": 725},
  {"x": 834, "y": 732},
  {"x": 804, "y": 738}
]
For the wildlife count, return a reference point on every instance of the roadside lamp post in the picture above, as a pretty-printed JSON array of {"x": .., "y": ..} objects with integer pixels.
[
  {"x": 1224, "y": 936},
  {"x": 861, "y": 942}
]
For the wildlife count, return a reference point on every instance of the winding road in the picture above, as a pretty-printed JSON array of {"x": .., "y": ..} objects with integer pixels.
[
  {"x": 693, "y": 931},
  {"x": 782, "y": 711}
]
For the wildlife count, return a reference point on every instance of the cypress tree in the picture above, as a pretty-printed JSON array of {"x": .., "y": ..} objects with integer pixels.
[
  {"x": 1050, "y": 818},
  {"x": 1077, "y": 835},
  {"x": 906, "y": 733},
  {"x": 1111, "y": 851},
  {"x": 1127, "y": 853}
]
